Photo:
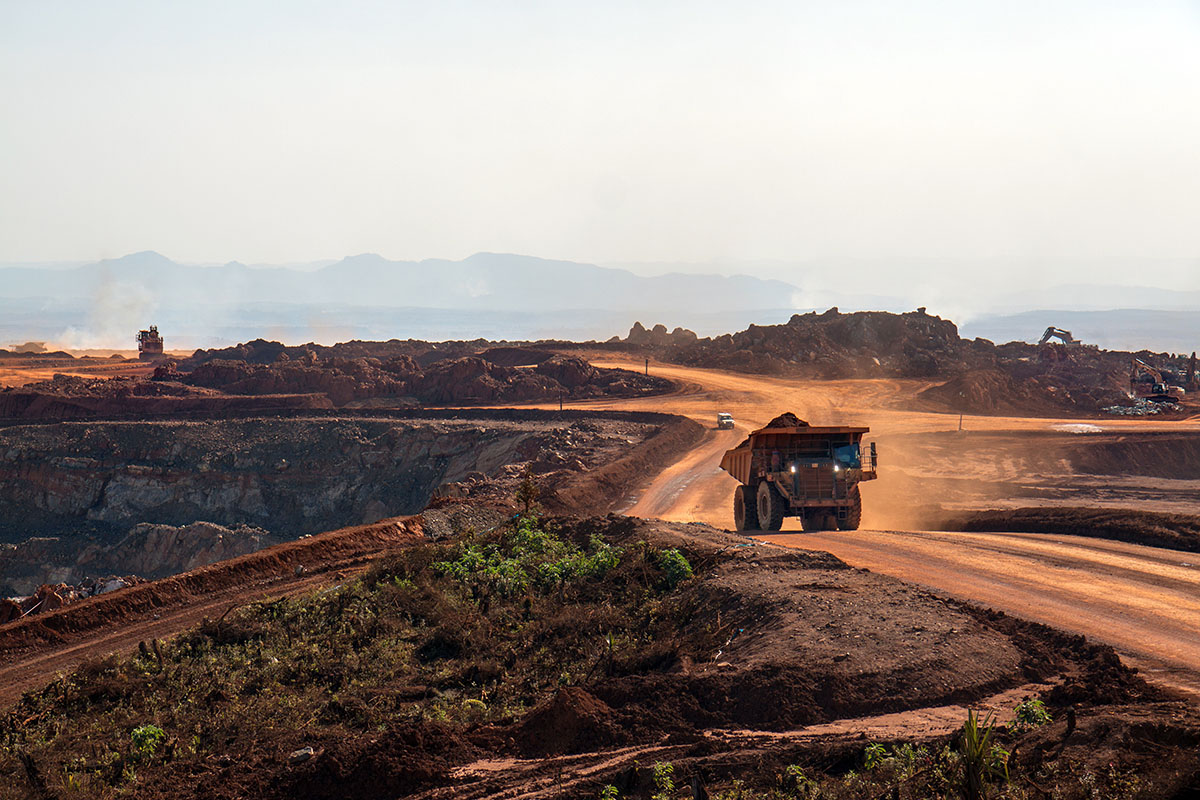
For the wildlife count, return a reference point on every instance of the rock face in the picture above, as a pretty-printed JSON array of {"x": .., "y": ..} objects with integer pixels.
[
  {"x": 148, "y": 551},
  {"x": 289, "y": 477},
  {"x": 80, "y": 500},
  {"x": 155, "y": 551},
  {"x": 835, "y": 345}
]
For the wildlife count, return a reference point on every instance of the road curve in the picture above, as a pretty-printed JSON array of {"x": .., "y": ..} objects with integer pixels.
[{"x": 1143, "y": 601}]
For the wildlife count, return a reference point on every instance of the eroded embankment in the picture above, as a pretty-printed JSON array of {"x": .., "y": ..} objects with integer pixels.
[
  {"x": 287, "y": 476},
  {"x": 85, "y": 485}
]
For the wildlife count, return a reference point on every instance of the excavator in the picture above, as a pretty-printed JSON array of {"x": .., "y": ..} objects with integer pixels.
[
  {"x": 1157, "y": 391},
  {"x": 1057, "y": 333}
]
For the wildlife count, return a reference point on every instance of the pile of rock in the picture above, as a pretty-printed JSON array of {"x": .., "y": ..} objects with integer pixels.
[{"x": 49, "y": 597}]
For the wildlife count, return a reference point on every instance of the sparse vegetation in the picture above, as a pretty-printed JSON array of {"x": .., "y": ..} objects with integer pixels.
[
  {"x": 479, "y": 629},
  {"x": 664, "y": 781},
  {"x": 982, "y": 760},
  {"x": 675, "y": 565},
  {"x": 146, "y": 739},
  {"x": 1029, "y": 713}
]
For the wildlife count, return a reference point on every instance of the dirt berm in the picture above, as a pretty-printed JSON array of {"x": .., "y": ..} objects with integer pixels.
[{"x": 1172, "y": 531}]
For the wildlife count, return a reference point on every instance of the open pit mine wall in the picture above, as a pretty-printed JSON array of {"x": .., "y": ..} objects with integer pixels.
[{"x": 287, "y": 476}]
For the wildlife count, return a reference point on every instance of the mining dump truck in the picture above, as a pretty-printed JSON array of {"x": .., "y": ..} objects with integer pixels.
[
  {"x": 150, "y": 344},
  {"x": 793, "y": 469}
]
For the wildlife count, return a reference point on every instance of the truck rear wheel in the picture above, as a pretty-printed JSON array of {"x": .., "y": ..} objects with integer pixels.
[
  {"x": 745, "y": 512},
  {"x": 853, "y": 513},
  {"x": 770, "y": 507}
]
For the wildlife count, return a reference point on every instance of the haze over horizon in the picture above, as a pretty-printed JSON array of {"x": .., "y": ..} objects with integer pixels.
[{"x": 950, "y": 150}]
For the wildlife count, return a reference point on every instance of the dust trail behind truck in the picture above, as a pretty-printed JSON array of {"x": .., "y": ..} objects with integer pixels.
[{"x": 793, "y": 469}]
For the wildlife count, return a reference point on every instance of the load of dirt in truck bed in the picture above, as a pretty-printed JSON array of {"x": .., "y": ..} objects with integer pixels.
[
  {"x": 601, "y": 647},
  {"x": 785, "y": 420}
]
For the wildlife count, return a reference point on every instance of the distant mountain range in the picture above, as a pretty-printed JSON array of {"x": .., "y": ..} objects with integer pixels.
[
  {"x": 492, "y": 281},
  {"x": 500, "y": 296},
  {"x": 367, "y": 296}
]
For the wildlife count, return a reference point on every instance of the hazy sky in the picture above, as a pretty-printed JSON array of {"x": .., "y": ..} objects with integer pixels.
[{"x": 604, "y": 131}]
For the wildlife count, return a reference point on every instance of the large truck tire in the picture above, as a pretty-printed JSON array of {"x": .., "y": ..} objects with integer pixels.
[
  {"x": 853, "y": 516},
  {"x": 745, "y": 512},
  {"x": 770, "y": 507}
]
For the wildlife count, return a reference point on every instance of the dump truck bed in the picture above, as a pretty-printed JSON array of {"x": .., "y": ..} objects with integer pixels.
[{"x": 791, "y": 443}]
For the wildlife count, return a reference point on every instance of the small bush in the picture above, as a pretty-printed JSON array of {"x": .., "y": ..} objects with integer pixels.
[
  {"x": 675, "y": 565},
  {"x": 146, "y": 739},
  {"x": 796, "y": 783},
  {"x": 982, "y": 761},
  {"x": 1030, "y": 713},
  {"x": 664, "y": 781}
]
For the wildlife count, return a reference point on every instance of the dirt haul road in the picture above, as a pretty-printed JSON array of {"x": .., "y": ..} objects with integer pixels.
[{"x": 1143, "y": 601}]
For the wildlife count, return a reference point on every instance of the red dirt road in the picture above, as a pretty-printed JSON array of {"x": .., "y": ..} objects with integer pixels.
[{"x": 1144, "y": 602}]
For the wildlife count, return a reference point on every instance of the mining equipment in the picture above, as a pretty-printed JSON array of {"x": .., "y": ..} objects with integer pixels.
[
  {"x": 724, "y": 421},
  {"x": 793, "y": 469},
  {"x": 150, "y": 344},
  {"x": 1065, "y": 349},
  {"x": 1156, "y": 390},
  {"x": 1058, "y": 333}
]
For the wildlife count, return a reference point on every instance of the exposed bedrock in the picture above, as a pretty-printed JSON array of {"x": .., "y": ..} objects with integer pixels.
[{"x": 288, "y": 477}]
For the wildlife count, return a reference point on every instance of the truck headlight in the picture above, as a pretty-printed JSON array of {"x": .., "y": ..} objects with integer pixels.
[
  {"x": 793, "y": 467},
  {"x": 836, "y": 468}
]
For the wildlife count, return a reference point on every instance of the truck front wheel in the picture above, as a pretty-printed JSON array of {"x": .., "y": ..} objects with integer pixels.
[
  {"x": 853, "y": 514},
  {"x": 770, "y": 507},
  {"x": 745, "y": 512}
]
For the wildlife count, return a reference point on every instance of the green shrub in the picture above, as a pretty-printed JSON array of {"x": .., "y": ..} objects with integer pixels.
[
  {"x": 981, "y": 759},
  {"x": 525, "y": 559},
  {"x": 146, "y": 739},
  {"x": 664, "y": 780},
  {"x": 1030, "y": 713},
  {"x": 873, "y": 755},
  {"x": 675, "y": 565},
  {"x": 796, "y": 783}
]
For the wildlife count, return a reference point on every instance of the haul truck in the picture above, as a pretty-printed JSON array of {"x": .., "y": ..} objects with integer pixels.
[{"x": 793, "y": 469}]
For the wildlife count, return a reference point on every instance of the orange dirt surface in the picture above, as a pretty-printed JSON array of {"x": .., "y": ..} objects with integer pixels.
[
  {"x": 1140, "y": 600},
  {"x": 1143, "y": 601},
  {"x": 18, "y": 370}
]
